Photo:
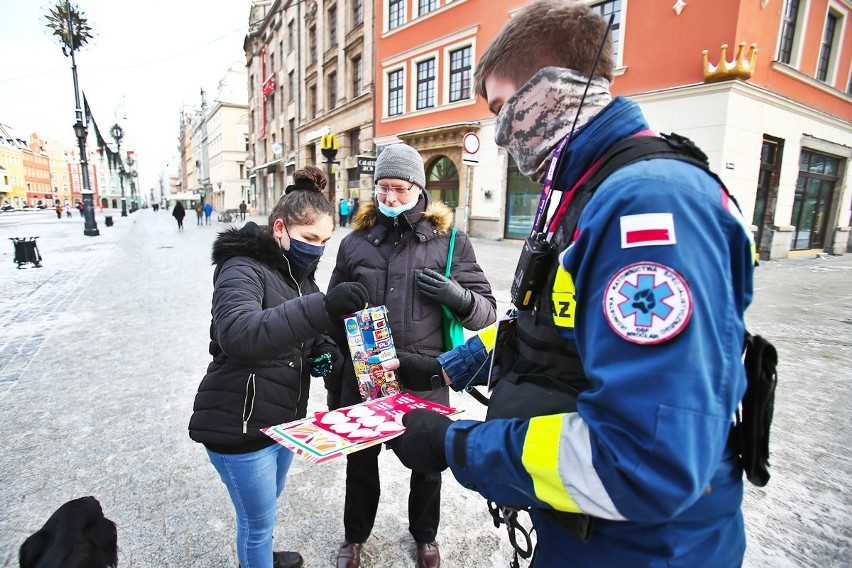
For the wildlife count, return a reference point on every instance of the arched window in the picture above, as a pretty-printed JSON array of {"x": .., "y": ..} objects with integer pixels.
[{"x": 442, "y": 181}]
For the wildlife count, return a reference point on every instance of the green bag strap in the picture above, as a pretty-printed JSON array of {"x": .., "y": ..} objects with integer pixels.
[{"x": 450, "y": 252}]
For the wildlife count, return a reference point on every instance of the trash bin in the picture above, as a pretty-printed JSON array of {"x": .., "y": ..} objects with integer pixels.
[
  {"x": 26, "y": 251},
  {"x": 108, "y": 220}
]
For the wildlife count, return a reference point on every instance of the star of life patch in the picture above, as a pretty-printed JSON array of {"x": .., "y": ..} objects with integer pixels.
[{"x": 647, "y": 303}]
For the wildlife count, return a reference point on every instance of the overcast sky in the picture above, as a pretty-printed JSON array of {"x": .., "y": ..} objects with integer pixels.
[{"x": 147, "y": 59}]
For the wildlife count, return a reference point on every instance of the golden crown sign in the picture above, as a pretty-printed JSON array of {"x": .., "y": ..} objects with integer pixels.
[{"x": 740, "y": 68}]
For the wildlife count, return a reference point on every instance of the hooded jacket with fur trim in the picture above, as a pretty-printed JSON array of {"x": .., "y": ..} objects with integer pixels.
[
  {"x": 266, "y": 321},
  {"x": 386, "y": 254}
]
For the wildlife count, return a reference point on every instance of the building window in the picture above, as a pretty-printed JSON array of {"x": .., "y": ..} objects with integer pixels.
[
  {"x": 271, "y": 100},
  {"x": 312, "y": 101},
  {"x": 426, "y": 6},
  {"x": 396, "y": 14},
  {"x": 291, "y": 36},
  {"x": 291, "y": 81},
  {"x": 332, "y": 90},
  {"x": 353, "y": 179},
  {"x": 818, "y": 175},
  {"x": 356, "y": 76},
  {"x": 357, "y": 13},
  {"x": 788, "y": 31},
  {"x": 332, "y": 26},
  {"x": 355, "y": 141},
  {"x": 606, "y": 9},
  {"x": 426, "y": 84},
  {"x": 292, "y": 130},
  {"x": 271, "y": 63},
  {"x": 826, "y": 47},
  {"x": 395, "y": 92},
  {"x": 312, "y": 45},
  {"x": 460, "y": 74}
]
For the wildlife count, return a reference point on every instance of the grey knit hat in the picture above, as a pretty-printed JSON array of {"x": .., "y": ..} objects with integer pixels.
[{"x": 400, "y": 161}]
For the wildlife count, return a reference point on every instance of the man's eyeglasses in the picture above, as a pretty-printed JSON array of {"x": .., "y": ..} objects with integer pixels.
[{"x": 400, "y": 191}]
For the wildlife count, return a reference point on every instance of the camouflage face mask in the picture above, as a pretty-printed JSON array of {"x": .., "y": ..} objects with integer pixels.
[{"x": 541, "y": 112}]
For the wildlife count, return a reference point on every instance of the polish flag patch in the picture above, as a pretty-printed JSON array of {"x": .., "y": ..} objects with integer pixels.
[{"x": 648, "y": 229}]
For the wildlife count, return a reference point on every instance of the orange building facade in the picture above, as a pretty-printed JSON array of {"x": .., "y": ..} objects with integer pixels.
[{"x": 775, "y": 121}]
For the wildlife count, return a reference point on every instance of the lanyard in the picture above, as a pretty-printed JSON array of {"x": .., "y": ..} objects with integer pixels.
[{"x": 542, "y": 211}]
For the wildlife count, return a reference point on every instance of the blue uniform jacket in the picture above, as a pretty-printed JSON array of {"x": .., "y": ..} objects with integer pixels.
[{"x": 654, "y": 289}]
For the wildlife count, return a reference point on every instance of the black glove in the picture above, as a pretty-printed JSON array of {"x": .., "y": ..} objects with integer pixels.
[
  {"x": 327, "y": 361},
  {"x": 416, "y": 372},
  {"x": 421, "y": 446},
  {"x": 445, "y": 291},
  {"x": 345, "y": 298}
]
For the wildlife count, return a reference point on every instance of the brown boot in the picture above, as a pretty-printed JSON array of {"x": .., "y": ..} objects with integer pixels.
[
  {"x": 428, "y": 555},
  {"x": 349, "y": 555}
]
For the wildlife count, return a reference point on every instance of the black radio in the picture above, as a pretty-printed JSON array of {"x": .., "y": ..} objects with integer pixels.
[{"x": 531, "y": 271}]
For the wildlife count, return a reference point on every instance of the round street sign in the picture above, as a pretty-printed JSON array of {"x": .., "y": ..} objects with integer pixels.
[{"x": 470, "y": 143}]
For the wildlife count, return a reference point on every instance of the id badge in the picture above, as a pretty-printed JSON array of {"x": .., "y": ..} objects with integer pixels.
[{"x": 505, "y": 333}]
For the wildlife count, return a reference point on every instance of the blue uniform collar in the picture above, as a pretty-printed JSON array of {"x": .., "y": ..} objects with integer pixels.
[{"x": 619, "y": 119}]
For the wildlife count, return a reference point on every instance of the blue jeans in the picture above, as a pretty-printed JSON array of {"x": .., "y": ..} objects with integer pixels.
[{"x": 254, "y": 481}]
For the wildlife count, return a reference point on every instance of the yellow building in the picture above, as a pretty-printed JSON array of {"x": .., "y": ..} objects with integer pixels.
[{"x": 13, "y": 189}]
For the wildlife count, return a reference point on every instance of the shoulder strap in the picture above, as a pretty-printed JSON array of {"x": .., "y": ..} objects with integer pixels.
[
  {"x": 627, "y": 151},
  {"x": 450, "y": 252}
]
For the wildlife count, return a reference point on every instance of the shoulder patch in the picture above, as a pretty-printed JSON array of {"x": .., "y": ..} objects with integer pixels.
[
  {"x": 647, "y": 303},
  {"x": 647, "y": 229}
]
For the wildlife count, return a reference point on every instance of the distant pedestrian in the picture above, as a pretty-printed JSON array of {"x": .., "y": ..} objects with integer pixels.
[
  {"x": 199, "y": 213},
  {"x": 68, "y": 210},
  {"x": 208, "y": 210},
  {"x": 344, "y": 212},
  {"x": 58, "y": 210},
  {"x": 179, "y": 213},
  {"x": 243, "y": 209},
  {"x": 81, "y": 208}
]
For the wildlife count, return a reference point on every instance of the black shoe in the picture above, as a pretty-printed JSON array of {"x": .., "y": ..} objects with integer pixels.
[{"x": 287, "y": 559}]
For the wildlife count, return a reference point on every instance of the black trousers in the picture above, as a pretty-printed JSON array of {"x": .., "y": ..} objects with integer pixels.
[{"x": 362, "y": 499}]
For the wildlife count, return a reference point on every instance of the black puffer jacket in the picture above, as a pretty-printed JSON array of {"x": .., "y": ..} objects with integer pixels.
[
  {"x": 265, "y": 324},
  {"x": 385, "y": 255}
]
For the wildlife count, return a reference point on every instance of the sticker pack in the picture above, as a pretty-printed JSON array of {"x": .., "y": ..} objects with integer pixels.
[{"x": 370, "y": 343}]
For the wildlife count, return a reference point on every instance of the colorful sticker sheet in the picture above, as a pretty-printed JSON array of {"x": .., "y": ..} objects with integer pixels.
[
  {"x": 329, "y": 435},
  {"x": 370, "y": 343}
]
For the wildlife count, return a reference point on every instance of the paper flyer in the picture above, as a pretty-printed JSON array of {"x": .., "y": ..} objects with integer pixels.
[
  {"x": 370, "y": 343},
  {"x": 329, "y": 435}
]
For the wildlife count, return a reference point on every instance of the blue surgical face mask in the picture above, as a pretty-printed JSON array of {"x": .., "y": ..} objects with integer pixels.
[{"x": 392, "y": 212}]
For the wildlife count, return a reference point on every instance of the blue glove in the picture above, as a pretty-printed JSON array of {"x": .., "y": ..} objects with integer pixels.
[{"x": 421, "y": 446}]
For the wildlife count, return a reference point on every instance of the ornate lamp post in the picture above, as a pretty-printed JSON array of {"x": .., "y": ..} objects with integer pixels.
[
  {"x": 62, "y": 22},
  {"x": 131, "y": 176},
  {"x": 117, "y": 134}
]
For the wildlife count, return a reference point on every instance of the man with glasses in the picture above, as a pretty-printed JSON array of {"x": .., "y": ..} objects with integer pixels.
[{"x": 398, "y": 250}]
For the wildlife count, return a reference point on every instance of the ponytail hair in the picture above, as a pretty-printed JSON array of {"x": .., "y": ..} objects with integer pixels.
[{"x": 303, "y": 201}]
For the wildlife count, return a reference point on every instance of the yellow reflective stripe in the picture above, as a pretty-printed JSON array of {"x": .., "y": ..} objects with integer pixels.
[
  {"x": 541, "y": 461},
  {"x": 562, "y": 298},
  {"x": 488, "y": 336}
]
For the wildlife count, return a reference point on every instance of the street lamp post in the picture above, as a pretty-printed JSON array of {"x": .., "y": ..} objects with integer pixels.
[
  {"x": 131, "y": 175},
  {"x": 90, "y": 226},
  {"x": 117, "y": 134}
]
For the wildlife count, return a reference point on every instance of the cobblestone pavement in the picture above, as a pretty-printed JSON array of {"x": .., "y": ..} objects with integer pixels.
[{"x": 102, "y": 349}]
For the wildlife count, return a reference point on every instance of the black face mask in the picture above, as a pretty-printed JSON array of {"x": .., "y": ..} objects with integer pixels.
[{"x": 301, "y": 255}]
